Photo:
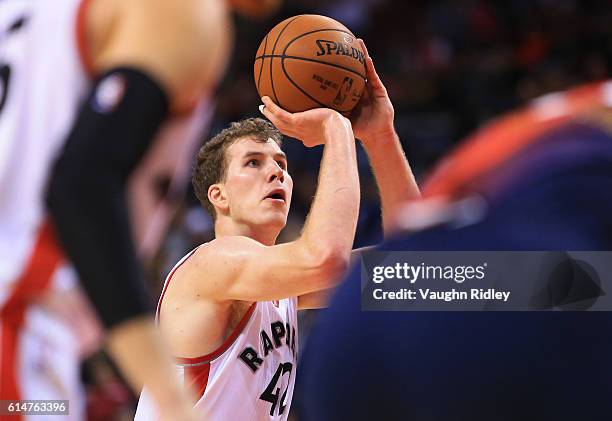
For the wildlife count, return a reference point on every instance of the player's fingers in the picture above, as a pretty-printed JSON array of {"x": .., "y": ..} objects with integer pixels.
[
  {"x": 373, "y": 77},
  {"x": 268, "y": 109},
  {"x": 270, "y": 116},
  {"x": 282, "y": 115},
  {"x": 278, "y": 123},
  {"x": 363, "y": 47}
]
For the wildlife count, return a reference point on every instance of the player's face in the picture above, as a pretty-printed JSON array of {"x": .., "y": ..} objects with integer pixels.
[{"x": 257, "y": 183}]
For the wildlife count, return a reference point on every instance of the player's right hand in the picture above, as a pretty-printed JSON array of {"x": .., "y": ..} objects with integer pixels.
[
  {"x": 373, "y": 117},
  {"x": 312, "y": 127}
]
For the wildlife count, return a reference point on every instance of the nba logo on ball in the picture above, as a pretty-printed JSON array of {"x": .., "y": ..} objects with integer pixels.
[
  {"x": 344, "y": 90},
  {"x": 349, "y": 39},
  {"x": 310, "y": 61},
  {"x": 109, "y": 93}
]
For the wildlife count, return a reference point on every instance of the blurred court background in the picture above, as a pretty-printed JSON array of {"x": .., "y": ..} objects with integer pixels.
[{"x": 449, "y": 67}]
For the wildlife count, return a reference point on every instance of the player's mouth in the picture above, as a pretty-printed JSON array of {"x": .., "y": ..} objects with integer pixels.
[{"x": 277, "y": 195}]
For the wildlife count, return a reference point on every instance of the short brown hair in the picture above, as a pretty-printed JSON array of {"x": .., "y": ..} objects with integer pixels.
[{"x": 211, "y": 163}]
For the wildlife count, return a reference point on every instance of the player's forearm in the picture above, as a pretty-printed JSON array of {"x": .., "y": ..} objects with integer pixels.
[
  {"x": 332, "y": 220},
  {"x": 393, "y": 176}
]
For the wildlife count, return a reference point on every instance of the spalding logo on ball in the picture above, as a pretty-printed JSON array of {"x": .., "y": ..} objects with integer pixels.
[{"x": 310, "y": 61}]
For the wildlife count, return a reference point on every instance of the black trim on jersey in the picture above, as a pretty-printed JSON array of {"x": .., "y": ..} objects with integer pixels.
[{"x": 86, "y": 193}]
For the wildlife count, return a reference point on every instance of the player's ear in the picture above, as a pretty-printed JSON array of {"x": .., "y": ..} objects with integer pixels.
[{"x": 218, "y": 197}]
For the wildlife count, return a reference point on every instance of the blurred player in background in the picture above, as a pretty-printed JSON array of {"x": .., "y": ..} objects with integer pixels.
[
  {"x": 536, "y": 179},
  {"x": 88, "y": 85}
]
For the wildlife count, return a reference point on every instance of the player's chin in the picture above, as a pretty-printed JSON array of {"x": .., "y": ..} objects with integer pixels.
[{"x": 276, "y": 217}]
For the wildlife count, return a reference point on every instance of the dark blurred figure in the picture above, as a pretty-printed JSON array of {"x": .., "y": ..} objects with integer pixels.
[
  {"x": 538, "y": 179},
  {"x": 108, "y": 398}
]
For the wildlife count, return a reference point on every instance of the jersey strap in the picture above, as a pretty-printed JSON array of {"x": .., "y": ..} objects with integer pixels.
[
  {"x": 197, "y": 370},
  {"x": 224, "y": 346}
]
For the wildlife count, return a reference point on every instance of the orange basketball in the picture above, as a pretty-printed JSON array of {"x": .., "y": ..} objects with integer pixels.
[{"x": 310, "y": 61}]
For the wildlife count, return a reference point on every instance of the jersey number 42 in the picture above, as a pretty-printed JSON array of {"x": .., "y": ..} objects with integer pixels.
[{"x": 271, "y": 394}]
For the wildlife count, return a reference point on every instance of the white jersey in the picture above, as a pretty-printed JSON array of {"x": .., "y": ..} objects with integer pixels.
[
  {"x": 251, "y": 376},
  {"x": 42, "y": 81},
  {"x": 42, "y": 84},
  {"x": 44, "y": 78}
]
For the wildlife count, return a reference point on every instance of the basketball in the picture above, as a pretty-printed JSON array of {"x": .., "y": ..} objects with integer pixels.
[{"x": 310, "y": 61}]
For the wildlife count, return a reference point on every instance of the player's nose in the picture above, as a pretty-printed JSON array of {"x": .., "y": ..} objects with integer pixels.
[{"x": 276, "y": 173}]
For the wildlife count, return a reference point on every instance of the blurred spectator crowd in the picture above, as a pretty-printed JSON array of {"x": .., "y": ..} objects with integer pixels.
[{"x": 449, "y": 67}]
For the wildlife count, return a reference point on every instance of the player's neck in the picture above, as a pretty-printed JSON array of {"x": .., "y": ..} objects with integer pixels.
[{"x": 265, "y": 235}]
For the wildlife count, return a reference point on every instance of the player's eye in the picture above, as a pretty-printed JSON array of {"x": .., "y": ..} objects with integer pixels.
[
  {"x": 282, "y": 164},
  {"x": 254, "y": 163}
]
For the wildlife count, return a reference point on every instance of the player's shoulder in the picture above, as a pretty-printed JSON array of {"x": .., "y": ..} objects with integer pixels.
[
  {"x": 127, "y": 18},
  {"x": 184, "y": 18},
  {"x": 220, "y": 260},
  {"x": 152, "y": 6},
  {"x": 223, "y": 251},
  {"x": 229, "y": 244}
]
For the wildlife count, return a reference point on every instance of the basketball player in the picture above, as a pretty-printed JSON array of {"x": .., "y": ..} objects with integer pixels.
[
  {"x": 87, "y": 84},
  {"x": 542, "y": 177},
  {"x": 228, "y": 309}
]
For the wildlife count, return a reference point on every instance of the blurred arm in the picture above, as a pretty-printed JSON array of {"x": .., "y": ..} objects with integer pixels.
[{"x": 144, "y": 44}]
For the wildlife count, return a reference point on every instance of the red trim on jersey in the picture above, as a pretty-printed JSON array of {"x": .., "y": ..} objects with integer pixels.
[
  {"x": 44, "y": 260},
  {"x": 161, "y": 297},
  {"x": 501, "y": 139},
  {"x": 9, "y": 389},
  {"x": 225, "y": 345},
  {"x": 197, "y": 379},
  {"x": 81, "y": 38},
  {"x": 228, "y": 341}
]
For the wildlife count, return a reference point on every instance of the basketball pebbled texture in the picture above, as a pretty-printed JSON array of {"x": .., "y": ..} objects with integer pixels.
[{"x": 310, "y": 61}]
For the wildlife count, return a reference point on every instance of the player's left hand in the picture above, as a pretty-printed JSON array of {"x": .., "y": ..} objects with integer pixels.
[
  {"x": 372, "y": 118},
  {"x": 311, "y": 126}
]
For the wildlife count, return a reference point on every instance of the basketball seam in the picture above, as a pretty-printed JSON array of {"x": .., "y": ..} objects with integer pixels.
[
  {"x": 321, "y": 30},
  {"x": 283, "y": 56},
  {"x": 262, "y": 63},
  {"x": 272, "y": 60},
  {"x": 297, "y": 86}
]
